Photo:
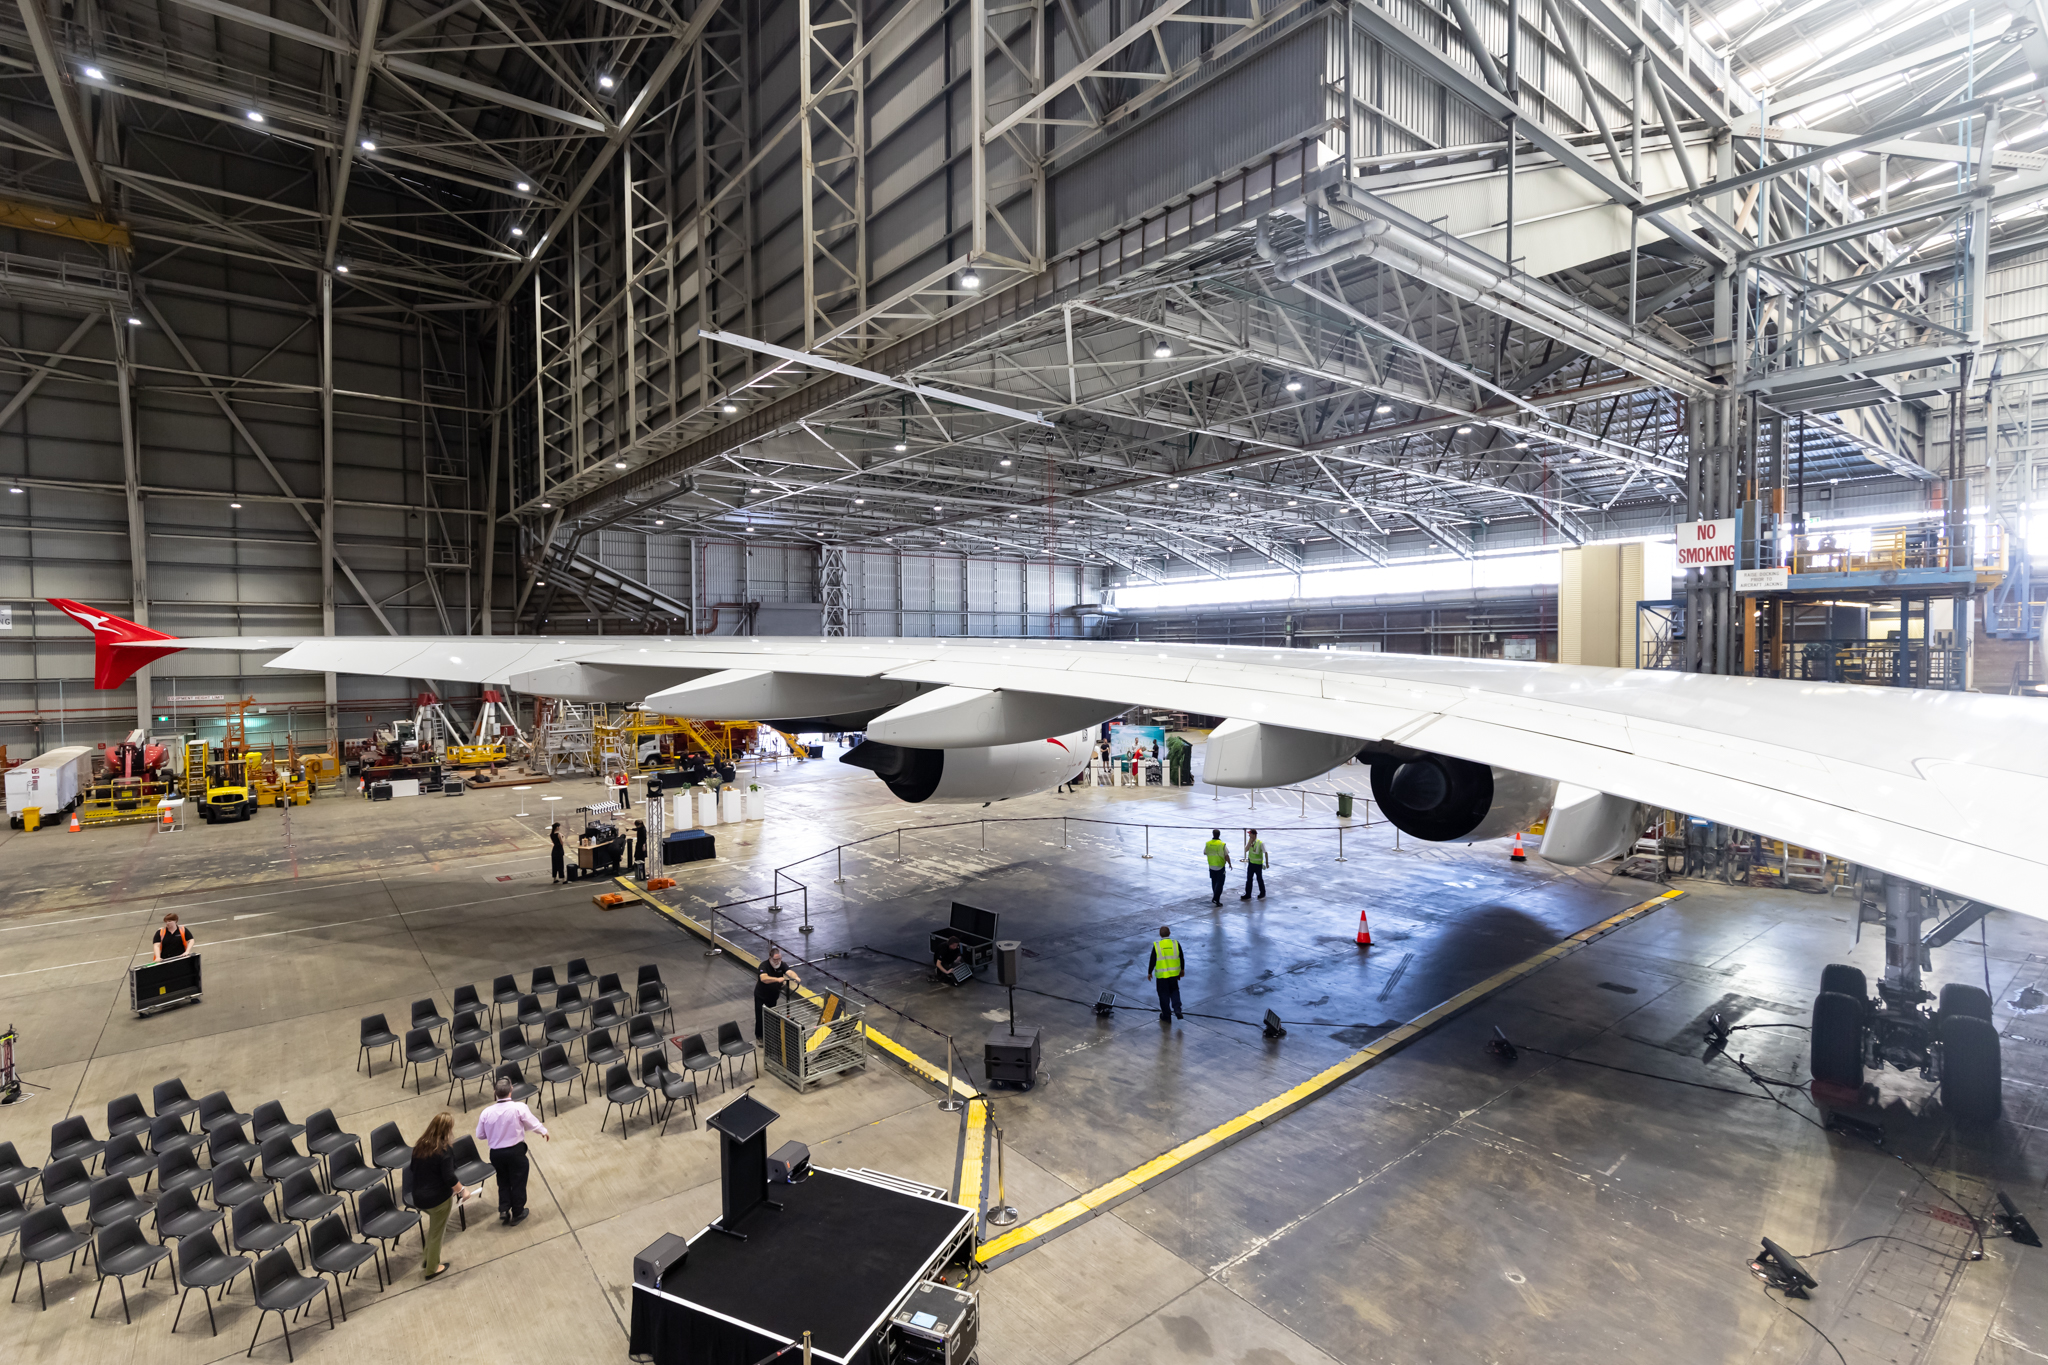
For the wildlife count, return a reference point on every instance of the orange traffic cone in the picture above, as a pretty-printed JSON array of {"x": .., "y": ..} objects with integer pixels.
[
  {"x": 74, "y": 822},
  {"x": 167, "y": 822},
  {"x": 1364, "y": 931},
  {"x": 1518, "y": 856}
]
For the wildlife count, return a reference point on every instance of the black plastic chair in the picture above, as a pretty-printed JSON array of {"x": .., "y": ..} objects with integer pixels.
[
  {"x": 14, "y": 1172},
  {"x": 169, "y": 1100},
  {"x": 302, "y": 1199},
  {"x": 113, "y": 1201},
  {"x": 215, "y": 1108},
  {"x": 650, "y": 975},
  {"x": 469, "y": 1028},
  {"x": 425, "y": 1015},
  {"x": 643, "y": 1035},
  {"x": 126, "y": 1158},
  {"x": 257, "y": 1232},
  {"x": 654, "y": 1000},
  {"x": 471, "y": 1169},
  {"x": 622, "y": 1094},
  {"x": 271, "y": 1122},
  {"x": 376, "y": 1033},
  {"x": 126, "y": 1117},
  {"x": 466, "y": 1000},
  {"x": 522, "y": 1089},
  {"x": 512, "y": 1045},
  {"x": 72, "y": 1139},
  {"x": 324, "y": 1136},
  {"x": 233, "y": 1186},
  {"x": 599, "y": 1052},
  {"x": 122, "y": 1251},
  {"x": 465, "y": 1066},
  {"x": 46, "y": 1234},
  {"x": 227, "y": 1142},
  {"x": 65, "y": 1183},
  {"x": 179, "y": 1214},
  {"x": 420, "y": 1049},
  {"x": 179, "y": 1169},
  {"x": 379, "y": 1218},
  {"x": 387, "y": 1149},
  {"x": 609, "y": 987},
  {"x": 13, "y": 1213},
  {"x": 606, "y": 1017},
  {"x": 203, "y": 1266},
  {"x": 282, "y": 1290},
  {"x": 559, "y": 1030},
  {"x": 698, "y": 1058},
  {"x": 504, "y": 991},
  {"x": 349, "y": 1174},
  {"x": 282, "y": 1159},
  {"x": 531, "y": 1013},
  {"x": 569, "y": 1001},
  {"x": 673, "y": 1089},
  {"x": 542, "y": 982},
  {"x": 333, "y": 1250},
  {"x": 169, "y": 1134},
  {"x": 735, "y": 1048},
  {"x": 556, "y": 1071},
  {"x": 579, "y": 973}
]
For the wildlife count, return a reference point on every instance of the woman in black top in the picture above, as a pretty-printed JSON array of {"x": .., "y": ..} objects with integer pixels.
[
  {"x": 555, "y": 838},
  {"x": 434, "y": 1186},
  {"x": 173, "y": 940},
  {"x": 639, "y": 842}
]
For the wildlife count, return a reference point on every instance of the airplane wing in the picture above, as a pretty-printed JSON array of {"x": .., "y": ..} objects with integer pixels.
[{"x": 1936, "y": 787}]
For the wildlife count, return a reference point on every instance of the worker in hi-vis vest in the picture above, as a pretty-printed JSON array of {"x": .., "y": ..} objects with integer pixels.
[
  {"x": 1254, "y": 864},
  {"x": 1218, "y": 855},
  {"x": 1165, "y": 969}
]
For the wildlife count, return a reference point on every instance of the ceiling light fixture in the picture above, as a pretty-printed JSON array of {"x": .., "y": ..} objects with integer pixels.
[
  {"x": 1163, "y": 350},
  {"x": 730, "y": 408},
  {"x": 860, "y": 502},
  {"x": 544, "y": 506},
  {"x": 618, "y": 464},
  {"x": 1005, "y": 464},
  {"x": 524, "y": 187},
  {"x": 902, "y": 446},
  {"x": 1575, "y": 459},
  {"x": 368, "y": 144},
  {"x": 605, "y": 82},
  {"x": 236, "y": 505},
  {"x": 1464, "y": 431},
  {"x": 659, "y": 522},
  {"x": 1174, "y": 484},
  {"x": 93, "y": 73},
  {"x": 14, "y": 490},
  {"x": 1384, "y": 408},
  {"x": 253, "y": 116},
  {"x": 970, "y": 280},
  {"x": 1294, "y": 386},
  {"x": 518, "y": 231},
  {"x": 135, "y": 322}
]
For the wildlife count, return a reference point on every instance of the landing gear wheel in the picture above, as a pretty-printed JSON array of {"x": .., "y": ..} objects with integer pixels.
[
  {"x": 1838, "y": 1039},
  {"x": 1970, "y": 1077},
  {"x": 1958, "y": 1000},
  {"x": 1841, "y": 977}
]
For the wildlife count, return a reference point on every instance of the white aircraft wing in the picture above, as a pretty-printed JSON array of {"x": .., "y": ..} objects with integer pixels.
[{"x": 1937, "y": 787}]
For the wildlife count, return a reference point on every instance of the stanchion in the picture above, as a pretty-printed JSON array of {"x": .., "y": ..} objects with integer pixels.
[
  {"x": 805, "y": 927},
  {"x": 1000, "y": 1214},
  {"x": 1340, "y": 844},
  {"x": 839, "y": 862},
  {"x": 1063, "y": 833},
  {"x": 775, "y": 894},
  {"x": 714, "y": 950},
  {"x": 984, "y": 836},
  {"x": 899, "y": 843},
  {"x": 1148, "y": 841},
  {"x": 952, "y": 1104}
]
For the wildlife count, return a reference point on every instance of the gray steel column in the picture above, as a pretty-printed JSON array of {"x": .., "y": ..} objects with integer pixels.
[
  {"x": 138, "y": 531},
  {"x": 1901, "y": 934},
  {"x": 333, "y": 697}
]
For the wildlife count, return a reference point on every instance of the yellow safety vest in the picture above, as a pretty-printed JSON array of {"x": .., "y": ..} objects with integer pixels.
[
  {"x": 1255, "y": 853},
  {"x": 1218, "y": 854},
  {"x": 1168, "y": 958}
]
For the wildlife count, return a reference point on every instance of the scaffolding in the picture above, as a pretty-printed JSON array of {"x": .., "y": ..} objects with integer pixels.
[{"x": 565, "y": 738}]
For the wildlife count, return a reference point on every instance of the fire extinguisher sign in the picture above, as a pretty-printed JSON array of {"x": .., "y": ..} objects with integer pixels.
[{"x": 1706, "y": 544}]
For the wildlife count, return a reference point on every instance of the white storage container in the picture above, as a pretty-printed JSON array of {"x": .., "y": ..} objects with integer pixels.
[{"x": 49, "y": 781}]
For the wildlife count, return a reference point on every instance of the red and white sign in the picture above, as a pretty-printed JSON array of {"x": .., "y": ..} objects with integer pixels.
[{"x": 1706, "y": 544}]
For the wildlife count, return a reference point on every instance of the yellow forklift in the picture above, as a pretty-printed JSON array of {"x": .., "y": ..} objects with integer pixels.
[{"x": 223, "y": 788}]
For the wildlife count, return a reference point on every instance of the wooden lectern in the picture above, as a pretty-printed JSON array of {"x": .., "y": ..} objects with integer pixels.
[{"x": 742, "y": 1128}]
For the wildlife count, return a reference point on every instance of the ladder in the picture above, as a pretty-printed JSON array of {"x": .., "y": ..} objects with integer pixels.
[{"x": 565, "y": 740}]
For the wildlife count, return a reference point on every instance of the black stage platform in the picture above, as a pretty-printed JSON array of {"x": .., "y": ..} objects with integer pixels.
[{"x": 837, "y": 1259}]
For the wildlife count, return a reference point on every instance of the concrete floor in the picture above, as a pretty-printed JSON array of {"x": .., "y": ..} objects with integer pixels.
[{"x": 1443, "y": 1207}]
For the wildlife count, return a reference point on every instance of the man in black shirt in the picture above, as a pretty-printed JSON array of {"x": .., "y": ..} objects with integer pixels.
[
  {"x": 173, "y": 940},
  {"x": 768, "y": 986},
  {"x": 948, "y": 958}
]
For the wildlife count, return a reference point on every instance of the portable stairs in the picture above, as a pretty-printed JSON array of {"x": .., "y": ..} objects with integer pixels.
[{"x": 565, "y": 739}]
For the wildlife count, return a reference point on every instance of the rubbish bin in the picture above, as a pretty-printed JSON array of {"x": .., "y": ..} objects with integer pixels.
[{"x": 1343, "y": 805}]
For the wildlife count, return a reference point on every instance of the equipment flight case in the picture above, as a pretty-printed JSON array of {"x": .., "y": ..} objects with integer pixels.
[
  {"x": 976, "y": 930},
  {"x": 937, "y": 1325},
  {"x": 154, "y": 986}
]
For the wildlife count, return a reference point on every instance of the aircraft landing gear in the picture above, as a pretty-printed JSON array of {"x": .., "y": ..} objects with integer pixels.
[{"x": 1953, "y": 1043}]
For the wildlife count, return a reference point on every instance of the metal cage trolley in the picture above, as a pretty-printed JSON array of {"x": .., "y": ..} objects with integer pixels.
[{"x": 804, "y": 1041}]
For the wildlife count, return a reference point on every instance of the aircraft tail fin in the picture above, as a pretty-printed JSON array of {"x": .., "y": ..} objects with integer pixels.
[{"x": 112, "y": 666}]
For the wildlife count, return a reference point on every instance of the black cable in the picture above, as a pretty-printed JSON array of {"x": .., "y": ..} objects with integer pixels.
[
  {"x": 1803, "y": 1028},
  {"x": 1875, "y": 1237},
  {"x": 1808, "y": 1321},
  {"x": 1630, "y": 1071}
]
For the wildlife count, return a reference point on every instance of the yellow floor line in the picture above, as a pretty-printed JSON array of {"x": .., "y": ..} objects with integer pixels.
[
  {"x": 973, "y": 1190},
  {"x": 924, "y": 1069},
  {"x": 1027, "y": 1235}
]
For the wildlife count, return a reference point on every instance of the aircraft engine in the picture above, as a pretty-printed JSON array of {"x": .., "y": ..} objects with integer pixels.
[
  {"x": 993, "y": 772},
  {"x": 1442, "y": 799}
]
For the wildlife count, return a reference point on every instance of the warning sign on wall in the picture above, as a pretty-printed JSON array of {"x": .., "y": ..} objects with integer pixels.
[{"x": 1706, "y": 544}]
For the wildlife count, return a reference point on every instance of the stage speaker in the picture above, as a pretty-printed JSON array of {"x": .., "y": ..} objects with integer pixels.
[
  {"x": 653, "y": 1266},
  {"x": 1006, "y": 961},
  {"x": 791, "y": 1162},
  {"x": 1274, "y": 1028},
  {"x": 1789, "y": 1265},
  {"x": 1106, "y": 1003}
]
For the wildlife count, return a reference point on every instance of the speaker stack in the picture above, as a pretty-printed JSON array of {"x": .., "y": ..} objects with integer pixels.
[{"x": 1011, "y": 1053}]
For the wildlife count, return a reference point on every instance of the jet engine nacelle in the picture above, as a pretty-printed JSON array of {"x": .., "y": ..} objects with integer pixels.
[
  {"x": 1442, "y": 799},
  {"x": 991, "y": 773}
]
